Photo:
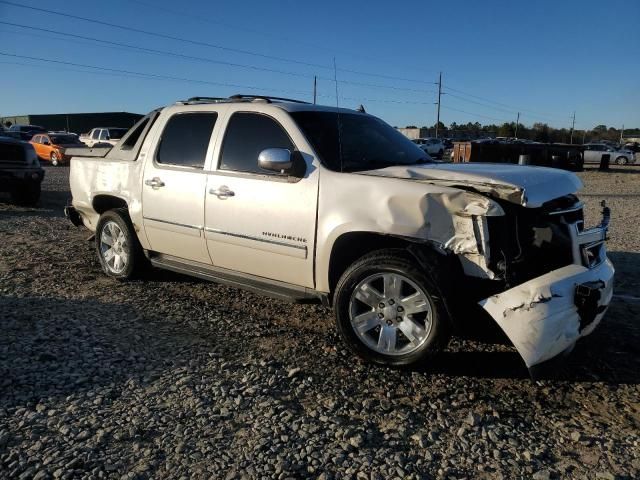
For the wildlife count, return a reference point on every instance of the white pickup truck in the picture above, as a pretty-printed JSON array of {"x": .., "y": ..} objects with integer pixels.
[
  {"x": 312, "y": 203},
  {"x": 110, "y": 135}
]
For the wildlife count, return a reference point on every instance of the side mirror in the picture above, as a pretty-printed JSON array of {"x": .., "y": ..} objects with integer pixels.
[{"x": 276, "y": 160}]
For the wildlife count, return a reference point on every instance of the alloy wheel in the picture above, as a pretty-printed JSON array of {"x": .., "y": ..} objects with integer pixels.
[
  {"x": 113, "y": 247},
  {"x": 390, "y": 314}
]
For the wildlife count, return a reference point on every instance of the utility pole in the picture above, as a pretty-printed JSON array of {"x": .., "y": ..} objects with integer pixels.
[
  {"x": 573, "y": 124},
  {"x": 315, "y": 88},
  {"x": 517, "y": 122},
  {"x": 584, "y": 135},
  {"x": 621, "y": 134},
  {"x": 439, "y": 95}
]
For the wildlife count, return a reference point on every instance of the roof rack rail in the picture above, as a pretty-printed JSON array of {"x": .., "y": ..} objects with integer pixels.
[
  {"x": 268, "y": 98},
  {"x": 237, "y": 98},
  {"x": 206, "y": 99}
]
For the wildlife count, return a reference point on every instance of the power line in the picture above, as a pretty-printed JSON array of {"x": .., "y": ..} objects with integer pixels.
[
  {"x": 152, "y": 76},
  {"x": 210, "y": 45},
  {"x": 142, "y": 74},
  {"x": 446, "y": 107},
  {"x": 208, "y": 20},
  {"x": 156, "y": 51},
  {"x": 162, "y": 35},
  {"x": 511, "y": 108},
  {"x": 206, "y": 59},
  {"x": 478, "y": 103}
]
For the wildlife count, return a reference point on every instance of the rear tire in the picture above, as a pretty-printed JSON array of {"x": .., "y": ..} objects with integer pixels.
[
  {"x": 390, "y": 311},
  {"x": 117, "y": 245}
]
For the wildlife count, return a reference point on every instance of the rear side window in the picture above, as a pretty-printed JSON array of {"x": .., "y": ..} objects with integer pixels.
[
  {"x": 185, "y": 139},
  {"x": 246, "y": 136},
  {"x": 134, "y": 136}
]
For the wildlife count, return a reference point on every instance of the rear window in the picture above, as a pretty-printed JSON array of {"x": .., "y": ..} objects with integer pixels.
[
  {"x": 117, "y": 133},
  {"x": 185, "y": 139},
  {"x": 63, "y": 139}
]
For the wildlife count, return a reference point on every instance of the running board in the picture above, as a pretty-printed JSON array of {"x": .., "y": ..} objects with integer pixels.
[{"x": 261, "y": 285}]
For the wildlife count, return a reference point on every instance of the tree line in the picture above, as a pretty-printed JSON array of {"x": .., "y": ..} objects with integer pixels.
[{"x": 539, "y": 132}]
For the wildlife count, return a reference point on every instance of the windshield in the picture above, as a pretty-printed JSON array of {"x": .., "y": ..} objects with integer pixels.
[
  {"x": 115, "y": 133},
  {"x": 63, "y": 139},
  {"x": 365, "y": 142}
]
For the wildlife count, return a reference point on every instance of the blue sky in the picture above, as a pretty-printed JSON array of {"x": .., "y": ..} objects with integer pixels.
[{"x": 543, "y": 58}]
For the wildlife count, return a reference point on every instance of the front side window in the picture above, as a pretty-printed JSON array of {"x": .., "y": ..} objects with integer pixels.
[
  {"x": 104, "y": 135},
  {"x": 185, "y": 139},
  {"x": 96, "y": 134},
  {"x": 246, "y": 136}
]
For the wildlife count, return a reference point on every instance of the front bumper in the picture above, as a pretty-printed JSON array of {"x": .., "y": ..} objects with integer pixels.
[{"x": 544, "y": 317}]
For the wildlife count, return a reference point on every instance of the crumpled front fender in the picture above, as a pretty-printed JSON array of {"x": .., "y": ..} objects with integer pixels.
[{"x": 543, "y": 318}]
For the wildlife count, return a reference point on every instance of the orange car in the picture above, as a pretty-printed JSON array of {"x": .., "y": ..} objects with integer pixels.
[{"x": 52, "y": 146}]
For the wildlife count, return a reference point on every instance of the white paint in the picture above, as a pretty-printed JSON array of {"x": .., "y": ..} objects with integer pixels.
[{"x": 526, "y": 185}]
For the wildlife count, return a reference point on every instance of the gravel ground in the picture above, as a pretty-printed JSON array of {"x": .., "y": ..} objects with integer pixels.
[{"x": 175, "y": 378}]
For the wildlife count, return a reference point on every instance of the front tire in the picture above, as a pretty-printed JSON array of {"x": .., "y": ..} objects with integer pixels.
[
  {"x": 117, "y": 245},
  {"x": 53, "y": 159},
  {"x": 390, "y": 311},
  {"x": 622, "y": 160}
]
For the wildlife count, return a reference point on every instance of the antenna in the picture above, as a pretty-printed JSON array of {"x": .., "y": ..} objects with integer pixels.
[{"x": 335, "y": 79}]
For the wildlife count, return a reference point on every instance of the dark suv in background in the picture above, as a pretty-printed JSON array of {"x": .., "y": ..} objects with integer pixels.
[
  {"x": 20, "y": 171},
  {"x": 25, "y": 132}
]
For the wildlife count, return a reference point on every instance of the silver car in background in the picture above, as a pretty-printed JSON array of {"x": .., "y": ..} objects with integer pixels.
[
  {"x": 433, "y": 146},
  {"x": 593, "y": 153}
]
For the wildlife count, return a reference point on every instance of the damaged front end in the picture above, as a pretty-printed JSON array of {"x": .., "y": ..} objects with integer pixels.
[{"x": 544, "y": 314}]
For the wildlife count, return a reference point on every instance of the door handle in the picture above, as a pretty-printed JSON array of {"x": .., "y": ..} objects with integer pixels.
[
  {"x": 154, "y": 183},
  {"x": 222, "y": 192}
]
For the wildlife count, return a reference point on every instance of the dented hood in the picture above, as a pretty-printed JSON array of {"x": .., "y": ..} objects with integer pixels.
[{"x": 524, "y": 185}]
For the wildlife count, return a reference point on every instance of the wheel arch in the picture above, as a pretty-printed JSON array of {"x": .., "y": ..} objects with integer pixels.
[
  {"x": 350, "y": 246},
  {"x": 102, "y": 203}
]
